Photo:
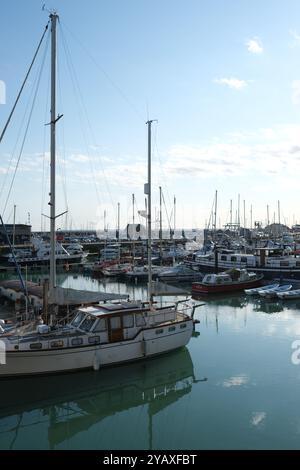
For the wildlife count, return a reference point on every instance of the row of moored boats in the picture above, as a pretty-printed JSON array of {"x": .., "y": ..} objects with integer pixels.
[{"x": 270, "y": 291}]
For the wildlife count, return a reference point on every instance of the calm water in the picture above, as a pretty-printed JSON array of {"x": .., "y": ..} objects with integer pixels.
[{"x": 233, "y": 387}]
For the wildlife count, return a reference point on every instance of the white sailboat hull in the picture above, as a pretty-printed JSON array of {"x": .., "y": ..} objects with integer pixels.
[{"x": 147, "y": 343}]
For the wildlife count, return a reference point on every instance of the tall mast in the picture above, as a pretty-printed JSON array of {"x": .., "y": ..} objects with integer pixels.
[
  {"x": 52, "y": 283},
  {"x": 14, "y": 228},
  {"x": 215, "y": 214},
  {"x": 118, "y": 233},
  {"x": 174, "y": 217},
  {"x": 133, "y": 243},
  {"x": 148, "y": 193},
  {"x": 160, "y": 224},
  {"x": 118, "y": 222}
]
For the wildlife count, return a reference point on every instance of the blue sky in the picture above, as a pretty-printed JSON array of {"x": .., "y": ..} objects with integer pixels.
[{"x": 222, "y": 78}]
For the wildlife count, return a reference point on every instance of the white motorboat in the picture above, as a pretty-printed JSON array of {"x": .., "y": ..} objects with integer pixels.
[
  {"x": 141, "y": 273},
  {"x": 40, "y": 254},
  {"x": 256, "y": 290},
  {"x": 291, "y": 294},
  {"x": 180, "y": 273},
  {"x": 271, "y": 293}
]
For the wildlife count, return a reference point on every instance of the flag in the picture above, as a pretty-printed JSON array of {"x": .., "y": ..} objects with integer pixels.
[{"x": 142, "y": 213}]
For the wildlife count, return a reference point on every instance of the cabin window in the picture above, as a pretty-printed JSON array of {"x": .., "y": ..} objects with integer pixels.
[
  {"x": 159, "y": 332},
  {"x": 94, "y": 339},
  {"x": 140, "y": 320},
  {"x": 208, "y": 278},
  {"x": 76, "y": 341},
  {"x": 115, "y": 323},
  {"x": 87, "y": 324},
  {"x": 284, "y": 263},
  {"x": 297, "y": 264},
  {"x": 101, "y": 325},
  {"x": 128, "y": 321},
  {"x": 78, "y": 319},
  {"x": 183, "y": 325},
  {"x": 224, "y": 258},
  {"x": 233, "y": 258},
  {"x": 36, "y": 346},
  {"x": 172, "y": 328},
  {"x": 243, "y": 259},
  {"x": 56, "y": 344}
]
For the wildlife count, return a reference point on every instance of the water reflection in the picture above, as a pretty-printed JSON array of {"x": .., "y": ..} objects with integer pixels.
[
  {"x": 241, "y": 300},
  {"x": 73, "y": 403},
  {"x": 237, "y": 300}
]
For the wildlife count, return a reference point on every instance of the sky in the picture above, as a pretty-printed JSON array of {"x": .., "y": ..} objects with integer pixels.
[{"x": 221, "y": 77}]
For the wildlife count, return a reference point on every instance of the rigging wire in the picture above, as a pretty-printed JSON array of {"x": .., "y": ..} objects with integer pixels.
[
  {"x": 44, "y": 179},
  {"x": 79, "y": 98},
  {"x": 27, "y": 128},
  {"x": 169, "y": 218},
  {"x": 23, "y": 84},
  {"x": 62, "y": 161},
  {"x": 88, "y": 122},
  {"x": 91, "y": 160},
  {"x": 109, "y": 79},
  {"x": 161, "y": 165},
  {"x": 19, "y": 134}
]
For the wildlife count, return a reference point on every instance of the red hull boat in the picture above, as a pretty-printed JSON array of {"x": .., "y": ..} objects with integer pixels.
[{"x": 230, "y": 281}]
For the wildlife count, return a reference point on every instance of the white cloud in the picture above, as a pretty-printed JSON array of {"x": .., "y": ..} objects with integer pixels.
[
  {"x": 269, "y": 151},
  {"x": 258, "y": 417},
  {"x": 296, "y": 91},
  {"x": 296, "y": 38},
  {"x": 234, "y": 83},
  {"x": 79, "y": 158},
  {"x": 235, "y": 381},
  {"x": 254, "y": 46}
]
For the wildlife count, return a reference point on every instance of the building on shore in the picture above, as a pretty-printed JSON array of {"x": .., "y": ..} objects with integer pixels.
[{"x": 19, "y": 234}]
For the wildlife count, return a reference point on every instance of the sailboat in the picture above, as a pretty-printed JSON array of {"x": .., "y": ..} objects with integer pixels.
[{"x": 98, "y": 335}]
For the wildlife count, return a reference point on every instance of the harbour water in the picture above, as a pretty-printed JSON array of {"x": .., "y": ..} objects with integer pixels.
[{"x": 233, "y": 387}]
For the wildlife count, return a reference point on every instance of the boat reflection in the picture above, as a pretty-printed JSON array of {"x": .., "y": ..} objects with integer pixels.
[
  {"x": 73, "y": 403},
  {"x": 275, "y": 306},
  {"x": 236, "y": 300},
  {"x": 240, "y": 300}
]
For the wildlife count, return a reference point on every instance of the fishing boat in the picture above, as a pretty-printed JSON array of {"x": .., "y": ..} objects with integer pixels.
[
  {"x": 96, "y": 335},
  {"x": 256, "y": 290},
  {"x": 272, "y": 293},
  {"x": 229, "y": 281}
]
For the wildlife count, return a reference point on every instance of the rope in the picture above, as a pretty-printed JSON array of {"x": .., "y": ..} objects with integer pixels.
[
  {"x": 23, "y": 84},
  {"x": 26, "y": 130}
]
